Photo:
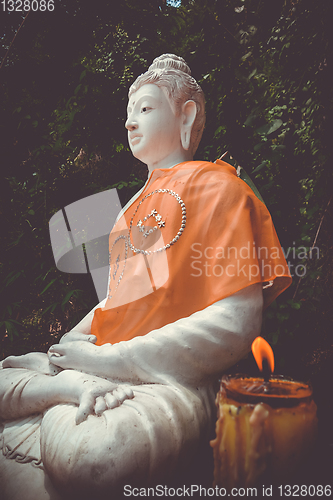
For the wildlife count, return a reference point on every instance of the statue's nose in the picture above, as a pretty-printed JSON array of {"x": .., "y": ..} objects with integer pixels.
[{"x": 131, "y": 124}]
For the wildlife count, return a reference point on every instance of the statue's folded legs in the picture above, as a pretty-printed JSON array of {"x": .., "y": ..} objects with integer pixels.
[{"x": 147, "y": 439}]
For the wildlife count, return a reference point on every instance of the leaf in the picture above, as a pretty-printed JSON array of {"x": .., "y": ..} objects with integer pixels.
[
  {"x": 269, "y": 128},
  {"x": 51, "y": 268},
  {"x": 16, "y": 322},
  {"x": 259, "y": 167},
  {"x": 48, "y": 286},
  {"x": 275, "y": 125},
  {"x": 294, "y": 305},
  {"x": 267, "y": 186},
  {"x": 252, "y": 74},
  {"x": 10, "y": 328},
  {"x": 50, "y": 307},
  {"x": 246, "y": 178},
  {"x": 13, "y": 278},
  {"x": 275, "y": 338},
  {"x": 218, "y": 131},
  {"x": 246, "y": 56},
  {"x": 277, "y": 151},
  {"x": 67, "y": 297},
  {"x": 250, "y": 119}
]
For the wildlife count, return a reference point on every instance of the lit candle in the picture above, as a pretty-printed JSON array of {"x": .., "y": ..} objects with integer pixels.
[{"x": 266, "y": 426}]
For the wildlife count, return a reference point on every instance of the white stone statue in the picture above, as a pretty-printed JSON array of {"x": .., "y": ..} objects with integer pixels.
[{"x": 85, "y": 420}]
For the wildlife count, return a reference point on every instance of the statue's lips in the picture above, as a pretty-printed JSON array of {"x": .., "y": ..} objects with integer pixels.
[{"x": 135, "y": 140}]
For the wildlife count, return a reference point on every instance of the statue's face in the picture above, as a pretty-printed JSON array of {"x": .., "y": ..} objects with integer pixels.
[{"x": 153, "y": 126}]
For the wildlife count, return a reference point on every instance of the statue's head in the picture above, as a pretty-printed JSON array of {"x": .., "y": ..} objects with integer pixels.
[{"x": 172, "y": 76}]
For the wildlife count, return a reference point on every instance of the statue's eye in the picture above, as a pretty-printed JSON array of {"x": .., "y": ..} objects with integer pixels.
[{"x": 144, "y": 109}]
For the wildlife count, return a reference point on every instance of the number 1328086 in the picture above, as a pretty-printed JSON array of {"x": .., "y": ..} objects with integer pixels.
[
  {"x": 304, "y": 490},
  {"x": 27, "y": 5}
]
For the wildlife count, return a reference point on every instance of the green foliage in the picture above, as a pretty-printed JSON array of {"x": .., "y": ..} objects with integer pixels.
[{"x": 264, "y": 69}]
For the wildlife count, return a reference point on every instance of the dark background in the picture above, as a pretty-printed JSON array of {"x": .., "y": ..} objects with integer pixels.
[{"x": 264, "y": 67}]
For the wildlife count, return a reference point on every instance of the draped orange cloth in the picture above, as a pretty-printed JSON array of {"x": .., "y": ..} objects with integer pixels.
[{"x": 195, "y": 235}]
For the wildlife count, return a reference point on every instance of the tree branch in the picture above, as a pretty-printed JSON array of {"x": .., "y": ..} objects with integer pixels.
[
  {"x": 3, "y": 60},
  {"x": 315, "y": 240}
]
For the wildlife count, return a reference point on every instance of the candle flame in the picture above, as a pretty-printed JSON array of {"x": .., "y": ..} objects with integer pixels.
[{"x": 262, "y": 350}]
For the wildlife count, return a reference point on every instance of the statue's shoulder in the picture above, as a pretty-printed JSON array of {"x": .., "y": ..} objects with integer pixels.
[
  {"x": 220, "y": 177},
  {"x": 218, "y": 172},
  {"x": 218, "y": 168}
]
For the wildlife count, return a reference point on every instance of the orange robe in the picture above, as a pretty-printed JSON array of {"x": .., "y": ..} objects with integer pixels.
[{"x": 196, "y": 234}]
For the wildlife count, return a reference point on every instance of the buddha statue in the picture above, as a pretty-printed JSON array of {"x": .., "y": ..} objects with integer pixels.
[{"x": 126, "y": 399}]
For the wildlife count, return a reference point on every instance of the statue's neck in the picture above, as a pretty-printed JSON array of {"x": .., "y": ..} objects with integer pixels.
[{"x": 171, "y": 160}]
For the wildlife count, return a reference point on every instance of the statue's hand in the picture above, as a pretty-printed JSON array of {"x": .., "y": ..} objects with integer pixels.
[
  {"x": 76, "y": 355},
  {"x": 93, "y": 394},
  {"x": 74, "y": 335},
  {"x": 37, "y": 361}
]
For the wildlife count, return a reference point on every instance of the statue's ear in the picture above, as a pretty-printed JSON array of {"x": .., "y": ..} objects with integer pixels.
[{"x": 189, "y": 112}]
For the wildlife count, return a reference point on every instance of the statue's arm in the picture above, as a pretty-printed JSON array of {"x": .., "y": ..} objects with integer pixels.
[
  {"x": 190, "y": 350},
  {"x": 25, "y": 392},
  {"x": 194, "y": 349}
]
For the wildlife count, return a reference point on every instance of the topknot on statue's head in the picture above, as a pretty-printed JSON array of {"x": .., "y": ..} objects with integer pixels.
[
  {"x": 166, "y": 61},
  {"x": 172, "y": 73}
]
